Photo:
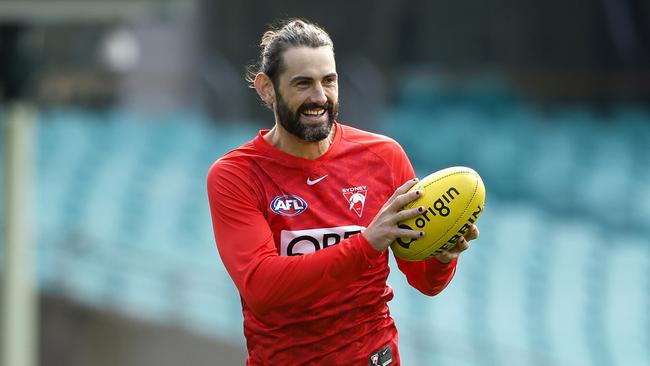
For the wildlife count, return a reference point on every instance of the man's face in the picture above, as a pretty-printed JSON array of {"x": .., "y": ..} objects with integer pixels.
[{"x": 307, "y": 92}]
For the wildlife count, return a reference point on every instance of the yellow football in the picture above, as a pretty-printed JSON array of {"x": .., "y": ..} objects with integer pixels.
[{"x": 453, "y": 199}]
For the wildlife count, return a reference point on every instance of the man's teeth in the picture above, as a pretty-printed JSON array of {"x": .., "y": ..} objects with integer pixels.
[{"x": 314, "y": 112}]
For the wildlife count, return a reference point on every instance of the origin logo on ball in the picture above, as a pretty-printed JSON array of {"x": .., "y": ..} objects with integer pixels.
[{"x": 453, "y": 199}]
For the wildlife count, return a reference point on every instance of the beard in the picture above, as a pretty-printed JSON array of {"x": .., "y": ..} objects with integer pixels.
[{"x": 307, "y": 132}]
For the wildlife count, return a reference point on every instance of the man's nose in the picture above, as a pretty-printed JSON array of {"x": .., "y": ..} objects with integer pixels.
[{"x": 318, "y": 95}]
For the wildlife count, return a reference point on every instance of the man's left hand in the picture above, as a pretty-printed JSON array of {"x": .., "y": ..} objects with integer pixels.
[{"x": 462, "y": 245}]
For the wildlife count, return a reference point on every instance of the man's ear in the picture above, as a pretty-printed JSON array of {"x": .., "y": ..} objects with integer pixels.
[{"x": 265, "y": 89}]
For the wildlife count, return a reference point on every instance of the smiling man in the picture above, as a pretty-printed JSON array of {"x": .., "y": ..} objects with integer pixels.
[{"x": 303, "y": 215}]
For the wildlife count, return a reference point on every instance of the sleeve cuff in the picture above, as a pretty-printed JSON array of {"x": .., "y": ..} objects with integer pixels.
[
  {"x": 435, "y": 262},
  {"x": 368, "y": 250}
]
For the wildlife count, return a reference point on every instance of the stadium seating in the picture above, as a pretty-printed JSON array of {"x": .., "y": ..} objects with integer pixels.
[{"x": 559, "y": 275}]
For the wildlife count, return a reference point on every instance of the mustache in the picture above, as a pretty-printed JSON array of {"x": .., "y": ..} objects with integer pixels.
[{"x": 328, "y": 106}]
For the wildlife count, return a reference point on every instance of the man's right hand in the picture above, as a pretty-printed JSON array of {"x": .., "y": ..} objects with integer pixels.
[{"x": 383, "y": 229}]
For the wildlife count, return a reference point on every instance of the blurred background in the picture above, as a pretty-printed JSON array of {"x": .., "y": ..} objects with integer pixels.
[{"x": 112, "y": 111}]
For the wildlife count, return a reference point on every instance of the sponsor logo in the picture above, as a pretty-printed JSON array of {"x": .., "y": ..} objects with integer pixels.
[
  {"x": 356, "y": 197},
  {"x": 382, "y": 358},
  {"x": 438, "y": 208},
  {"x": 299, "y": 242},
  {"x": 288, "y": 205},
  {"x": 312, "y": 182}
]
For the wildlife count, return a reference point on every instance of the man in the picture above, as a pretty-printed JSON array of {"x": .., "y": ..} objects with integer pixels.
[{"x": 303, "y": 215}]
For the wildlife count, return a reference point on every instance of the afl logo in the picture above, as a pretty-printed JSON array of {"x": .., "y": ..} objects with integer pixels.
[{"x": 288, "y": 205}]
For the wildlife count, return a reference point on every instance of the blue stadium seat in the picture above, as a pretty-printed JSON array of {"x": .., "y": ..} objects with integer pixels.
[
  {"x": 625, "y": 303},
  {"x": 123, "y": 214}
]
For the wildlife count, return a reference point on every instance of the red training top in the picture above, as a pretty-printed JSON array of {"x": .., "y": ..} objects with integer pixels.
[{"x": 313, "y": 290}]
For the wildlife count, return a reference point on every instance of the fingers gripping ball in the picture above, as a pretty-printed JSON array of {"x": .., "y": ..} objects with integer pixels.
[{"x": 453, "y": 199}]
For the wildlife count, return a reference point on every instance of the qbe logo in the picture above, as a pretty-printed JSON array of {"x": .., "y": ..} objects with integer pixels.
[
  {"x": 288, "y": 205},
  {"x": 299, "y": 242}
]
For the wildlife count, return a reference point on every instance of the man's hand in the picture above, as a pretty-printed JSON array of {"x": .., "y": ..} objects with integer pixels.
[
  {"x": 462, "y": 245},
  {"x": 383, "y": 229}
]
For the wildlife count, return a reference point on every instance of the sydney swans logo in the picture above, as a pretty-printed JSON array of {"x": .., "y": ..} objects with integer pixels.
[{"x": 356, "y": 198}]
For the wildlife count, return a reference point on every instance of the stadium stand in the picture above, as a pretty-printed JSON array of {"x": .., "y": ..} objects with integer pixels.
[{"x": 559, "y": 276}]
